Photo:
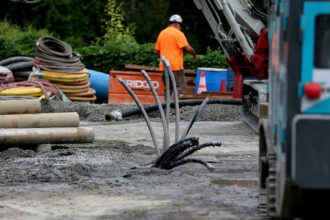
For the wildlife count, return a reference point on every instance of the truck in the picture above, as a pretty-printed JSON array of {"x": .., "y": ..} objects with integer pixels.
[{"x": 294, "y": 145}]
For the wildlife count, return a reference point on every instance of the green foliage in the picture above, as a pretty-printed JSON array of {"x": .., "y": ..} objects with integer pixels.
[
  {"x": 114, "y": 55},
  {"x": 77, "y": 22},
  {"x": 212, "y": 58},
  {"x": 17, "y": 41},
  {"x": 115, "y": 24}
]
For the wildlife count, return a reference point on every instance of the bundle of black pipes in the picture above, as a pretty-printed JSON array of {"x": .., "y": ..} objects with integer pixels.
[{"x": 175, "y": 154}]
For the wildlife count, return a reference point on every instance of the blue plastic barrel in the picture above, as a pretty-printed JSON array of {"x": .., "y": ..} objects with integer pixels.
[
  {"x": 213, "y": 77},
  {"x": 100, "y": 83}
]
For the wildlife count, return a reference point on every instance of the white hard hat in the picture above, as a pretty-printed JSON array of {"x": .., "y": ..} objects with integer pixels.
[{"x": 176, "y": 18}]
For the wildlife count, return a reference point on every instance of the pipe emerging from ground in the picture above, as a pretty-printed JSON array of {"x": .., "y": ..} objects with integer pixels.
[
  {"x": 138, "y": 103},
  {"x": 161, "y": 111}
]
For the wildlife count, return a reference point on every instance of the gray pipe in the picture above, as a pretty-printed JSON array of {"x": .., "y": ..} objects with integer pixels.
[
  {"x": 138, "y": 103},
  {"x": 161, "y": 111},
  {"x": 176, "y": 102},
  {"x": 167, "y": 98}
]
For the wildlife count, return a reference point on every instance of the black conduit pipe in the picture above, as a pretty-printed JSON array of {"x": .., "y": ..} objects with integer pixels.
[
  {"x": 196, "y": 148},
  {"x": 182, "y": 103}
]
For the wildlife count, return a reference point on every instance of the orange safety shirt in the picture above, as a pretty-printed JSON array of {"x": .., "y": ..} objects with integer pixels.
[{"x": 170, "y": 43}]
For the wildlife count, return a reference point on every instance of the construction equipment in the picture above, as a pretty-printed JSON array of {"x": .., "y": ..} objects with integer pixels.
[
  {"x": 294, "y": 140},
  {"x": 245, "y": 45}
]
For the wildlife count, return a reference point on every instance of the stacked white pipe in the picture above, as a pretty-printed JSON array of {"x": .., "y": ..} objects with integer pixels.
[{"x": 21, "y": 123}]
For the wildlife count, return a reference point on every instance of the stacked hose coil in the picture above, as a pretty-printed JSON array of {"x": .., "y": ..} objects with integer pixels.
[
  {"x": 20, "y": 67},
  {"x": 56, "y": 62},
  {"x": 35, "y": 88}
]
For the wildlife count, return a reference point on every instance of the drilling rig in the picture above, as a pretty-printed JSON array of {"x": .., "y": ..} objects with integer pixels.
[{"x": 289, "y": 46}]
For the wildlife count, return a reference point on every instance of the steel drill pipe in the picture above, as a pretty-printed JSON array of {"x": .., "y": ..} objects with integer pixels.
[
  {"x": 43, "y": 120},
  {"x": 20, "y": 106},
  {"x": 31, "y": 136}
]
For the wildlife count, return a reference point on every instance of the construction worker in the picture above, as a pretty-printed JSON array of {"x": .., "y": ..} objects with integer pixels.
[{"x": 170, "y": 43}]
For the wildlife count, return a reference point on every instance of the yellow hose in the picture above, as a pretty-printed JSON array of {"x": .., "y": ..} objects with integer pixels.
[
  {"x": 29, "y": 91},
  {"x": 66, "y": 78},
  {"x": 84, "y": 71}
]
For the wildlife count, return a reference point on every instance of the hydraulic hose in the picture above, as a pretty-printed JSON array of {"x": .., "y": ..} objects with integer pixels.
[
  {"x": 193, "y": 119},
  {"x": 15, "y": 59},
  {"x": 161, "y": 111},
  {"x": 20, "y": 65},
  {"x": 182, "y": 103},
  {"x": 56, "y": 55},
  {"x": 196, "y": 148},
  {"x": 153, "y": 136}
]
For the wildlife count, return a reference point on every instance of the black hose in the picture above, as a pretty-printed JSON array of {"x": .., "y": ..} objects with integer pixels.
[
  {"x": 196, "y": 148},
  {"x": 26, "y": 1},
  {"x": 173, "y": 151},
  {"x": 182, "y": 103},
  {"x": 15, "y": 59},
  {"x": 22, "y": 74},
  {"x": 20, "y": 65},
  {"x": 56, "y": 55}
]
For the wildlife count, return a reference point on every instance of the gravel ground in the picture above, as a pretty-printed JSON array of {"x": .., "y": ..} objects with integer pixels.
[
  {"x": 108, "y": 179},
  {"x": 97, "y": 112}
]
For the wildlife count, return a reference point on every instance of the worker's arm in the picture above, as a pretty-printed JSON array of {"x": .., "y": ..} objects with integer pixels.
[
  {"x": 157, "y": 52},
  {"x": 191, "y": 51}
]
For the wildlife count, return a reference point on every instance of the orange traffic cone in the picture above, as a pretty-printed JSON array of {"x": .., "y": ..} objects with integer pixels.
[
  {"x": 223, "y": 86},
  {"x": 202, "y": 83}
]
